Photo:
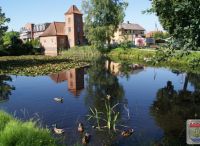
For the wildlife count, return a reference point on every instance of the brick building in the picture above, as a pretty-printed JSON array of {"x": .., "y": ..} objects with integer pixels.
[{"x": 62, "y": 35}]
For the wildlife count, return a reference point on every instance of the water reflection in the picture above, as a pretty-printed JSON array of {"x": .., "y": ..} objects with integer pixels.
[
  {"x": 172, "y": 108},
  {"x": 124, "y": 68},
  {"x": 102, "y": 81},
  {"x": 74, "y": 78},
  {"x": 5, "y": 88}
]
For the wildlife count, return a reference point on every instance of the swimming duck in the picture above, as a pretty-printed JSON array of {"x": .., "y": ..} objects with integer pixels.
[
  {"x": 86, "y": 138},
  {"x": 80, "y": 127},
  {"x": 57, "y": 130},
  {"x": 59, "y": 99},
  {"x": 127, "y": 133}
]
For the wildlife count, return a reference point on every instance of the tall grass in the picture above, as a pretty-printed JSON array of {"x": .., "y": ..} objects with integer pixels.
[
  {"x": 17, "y": 133},
  {"x": 86, "y": 53}
]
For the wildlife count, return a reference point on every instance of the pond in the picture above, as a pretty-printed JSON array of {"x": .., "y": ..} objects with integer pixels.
[{"x": 155, "y": 102}]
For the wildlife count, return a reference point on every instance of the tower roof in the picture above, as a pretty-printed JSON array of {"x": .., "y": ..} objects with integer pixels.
[{"x": 73, "y": 10}]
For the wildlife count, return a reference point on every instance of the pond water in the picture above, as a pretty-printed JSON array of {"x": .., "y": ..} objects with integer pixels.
[{"x": 155, "y": 102}]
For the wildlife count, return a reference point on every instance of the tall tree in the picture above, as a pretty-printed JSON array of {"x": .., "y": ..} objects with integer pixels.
[
  {"x": 102, "y": 20},
  {"x": 181, "y": 19},
  {"x": 3, "y": 27}
]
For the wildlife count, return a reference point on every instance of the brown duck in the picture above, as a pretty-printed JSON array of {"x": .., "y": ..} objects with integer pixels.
[
  {"x": 86, "y": 138},
  {"x": 127, "y": 133}
]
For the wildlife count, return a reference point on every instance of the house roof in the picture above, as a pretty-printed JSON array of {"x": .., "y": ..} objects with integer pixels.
[
  {"x": 54, "y": 29},
  {"x": 131, "y": 26},
  {"x": 73, "y": 10}
]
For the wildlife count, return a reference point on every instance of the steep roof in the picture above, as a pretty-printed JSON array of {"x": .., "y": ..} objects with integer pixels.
[
  {"x": 73, "y": 10},
  {"x": 131, "y": 26},
  {"x": 54, "y": 29}
]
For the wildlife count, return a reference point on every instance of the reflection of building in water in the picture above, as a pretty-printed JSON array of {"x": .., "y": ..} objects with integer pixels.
[
  {"x": 74, "y": 78},
  {"x": 113, "y": 67},
  {"x": 118, "y": 68}
]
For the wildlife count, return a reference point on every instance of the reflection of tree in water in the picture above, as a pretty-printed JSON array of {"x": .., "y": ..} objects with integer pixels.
[
  {"x": 172, "y": 108},
  {"x": 5, "y": 88},
  {"x": 101, "y": 82}
]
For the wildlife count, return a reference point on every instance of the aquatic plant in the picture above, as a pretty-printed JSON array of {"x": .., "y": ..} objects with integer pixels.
[
  {"x": 38, "y": 65},
  {"x": 95, "y": 115},
  {"x": 110, "y": 117}
]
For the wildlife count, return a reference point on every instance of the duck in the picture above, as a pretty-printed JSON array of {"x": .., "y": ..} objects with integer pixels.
[
  {"x": 127, "y": 133},
  {"x": 58, "y": 130},
  {"x": 59, "y": 99},
  {"x": 86, "y": 138},
  {"x": 80, "y": 127}
]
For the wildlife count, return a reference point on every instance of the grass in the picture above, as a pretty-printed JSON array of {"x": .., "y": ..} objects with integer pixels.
[
  {"x": 14, "y": 132},
  {"x": 82, "y": 53},
  {"x": 185, "y": 63}
]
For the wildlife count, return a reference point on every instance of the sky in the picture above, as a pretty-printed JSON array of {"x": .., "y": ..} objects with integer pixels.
[{"x": 40, "y": 11}]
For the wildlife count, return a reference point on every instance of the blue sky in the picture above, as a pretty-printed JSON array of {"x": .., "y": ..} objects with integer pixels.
[{"x": 39, "y": 11}]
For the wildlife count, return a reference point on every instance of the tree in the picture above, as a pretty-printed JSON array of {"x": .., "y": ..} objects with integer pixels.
[
  {"x": 181, "y": 20},
  {"x": 10, "y": 37},
  {"x": 3, "y": 27},
  {"x": 102, "y": 20}
]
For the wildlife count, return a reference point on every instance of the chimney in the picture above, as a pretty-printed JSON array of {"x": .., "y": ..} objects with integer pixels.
[{"x": 128, "y": 22}]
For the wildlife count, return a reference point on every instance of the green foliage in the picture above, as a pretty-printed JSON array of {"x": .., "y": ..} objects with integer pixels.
[
  {"x": 16, "y": 133},
  {"x": 3, "y": 27},
  {"x": 102, "y": 20},
  {"x": 9, "y": 38},
  {"x": 126, "y": 43},
  {"x": 12, "y": 45},
  {"x": 38, "y": 65},
  {"x": 174, "y": 59},
  {"x": 181, "y": 20},
  {"x": 84, "y": 53}
]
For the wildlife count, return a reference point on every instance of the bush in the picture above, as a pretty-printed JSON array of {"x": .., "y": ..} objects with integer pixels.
[
  {"x": 126, "y": 44},
  {"x": 16, "y": 133}
]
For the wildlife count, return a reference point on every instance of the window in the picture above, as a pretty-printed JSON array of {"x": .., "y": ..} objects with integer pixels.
[
  {"x": 69, "y": 20},
  {"x": 69, "y": 29}
]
